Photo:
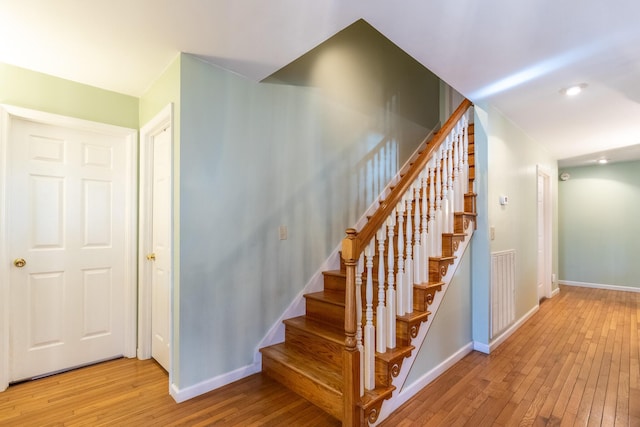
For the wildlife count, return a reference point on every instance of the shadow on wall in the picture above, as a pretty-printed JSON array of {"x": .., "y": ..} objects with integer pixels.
[{"x": 365, "y": 71}]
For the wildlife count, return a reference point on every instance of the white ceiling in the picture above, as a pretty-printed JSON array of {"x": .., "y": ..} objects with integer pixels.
[{"x": 516, "y": 55}]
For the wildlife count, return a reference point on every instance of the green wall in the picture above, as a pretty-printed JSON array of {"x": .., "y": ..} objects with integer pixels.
[
  {"x": 451, "y": 327},
  {"x": 598, "y": 226},
  {"x": 37, "y": 91},
  {"x": 512, "y": 161},
  {"x": 164, "y": 91}
]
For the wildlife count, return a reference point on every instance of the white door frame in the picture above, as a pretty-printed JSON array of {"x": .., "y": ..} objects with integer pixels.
[
  {"x": 543, "y": 173},
  {"x": 148, "y": 132},
  {"x": 7, "y": 114}
]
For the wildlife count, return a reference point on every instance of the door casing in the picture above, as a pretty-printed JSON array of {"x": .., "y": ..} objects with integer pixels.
[
  {"x": 148, "y": 132},
  {"x": 544, "y": 223},
  {"x": 129, "y": 136}
]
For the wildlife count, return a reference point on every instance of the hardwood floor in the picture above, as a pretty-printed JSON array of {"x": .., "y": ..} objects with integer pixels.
[{"x": 575, "y": 362}]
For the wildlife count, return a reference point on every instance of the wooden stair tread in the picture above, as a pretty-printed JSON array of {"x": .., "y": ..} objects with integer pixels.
[
  {"x": 442, "y": 258},
  {"x": 415, "y": 315},
  {"x": 428, "y": 285},
  {"x": 395, "y": 353},
  {"x": 317, "y": 328},
  {"x": 329, "y": 296},
  {"x": 338, "y": 273},
  {"x": 325, "y": 375},
  {"x": 372, "y": 397}
]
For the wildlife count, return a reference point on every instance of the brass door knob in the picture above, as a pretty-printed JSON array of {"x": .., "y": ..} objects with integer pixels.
[
  {"x": 151, "y": 257},
  {"x": 19, "y": 262}
]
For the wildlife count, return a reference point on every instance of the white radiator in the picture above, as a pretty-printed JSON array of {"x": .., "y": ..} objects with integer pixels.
[{"x": 503, "y": 282}]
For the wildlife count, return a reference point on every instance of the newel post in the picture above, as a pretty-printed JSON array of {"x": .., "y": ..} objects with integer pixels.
[{"x": 350, "y": 355}]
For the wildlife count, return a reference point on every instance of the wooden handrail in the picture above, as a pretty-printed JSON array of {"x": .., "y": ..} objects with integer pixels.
[{"x": 369, "y": 230}]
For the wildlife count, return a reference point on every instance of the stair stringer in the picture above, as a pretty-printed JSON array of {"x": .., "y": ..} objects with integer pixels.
[{"x": 398, "y": 398}]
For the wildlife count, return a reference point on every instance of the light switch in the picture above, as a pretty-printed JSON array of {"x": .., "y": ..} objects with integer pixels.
[
  {"x": 492, "y": 232},
  {"x": 283, "y": 232}
]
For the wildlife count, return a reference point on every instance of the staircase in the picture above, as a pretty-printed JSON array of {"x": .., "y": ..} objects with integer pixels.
[{"x": 329, "y": 355}]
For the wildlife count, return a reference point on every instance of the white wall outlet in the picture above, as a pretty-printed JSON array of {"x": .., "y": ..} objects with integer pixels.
[{"x": 283, "y": 232}]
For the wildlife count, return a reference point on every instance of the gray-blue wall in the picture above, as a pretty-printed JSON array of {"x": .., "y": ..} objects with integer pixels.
[
  {"x": 599, "y": 231},
  {"x": 254, "y": 156}
]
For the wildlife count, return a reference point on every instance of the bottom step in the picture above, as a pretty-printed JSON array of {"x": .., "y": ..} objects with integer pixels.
[{"x": 315, "y": 381}]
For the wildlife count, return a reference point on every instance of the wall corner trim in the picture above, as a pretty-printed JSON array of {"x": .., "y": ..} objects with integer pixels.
[{"x": 481, "y": 347}]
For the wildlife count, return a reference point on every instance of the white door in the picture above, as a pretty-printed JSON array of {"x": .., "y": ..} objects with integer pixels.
[
  {"x": 156, "y": 239},
  {"x": 543, "y": 237},
  {"x": 161, "y": 246},
  {"x": 67, "y": 193},
  {"x": 540, "y": 237}
]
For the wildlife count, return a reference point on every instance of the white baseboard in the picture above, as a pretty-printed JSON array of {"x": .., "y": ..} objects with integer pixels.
[
  {"x": 412, "y": 389},
  {"x": 488, "y": 348},
  {"x": 599, "y": 286},
  {"x": 180, "y": 395},
  {"x": 507, "y": 333},
  {"x": 555, "y": 292}
]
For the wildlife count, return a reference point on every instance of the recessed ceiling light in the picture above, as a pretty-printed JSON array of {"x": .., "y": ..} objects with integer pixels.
[
  {"x": 573, "y": 90},
  {"x": 603, "y": 161}
]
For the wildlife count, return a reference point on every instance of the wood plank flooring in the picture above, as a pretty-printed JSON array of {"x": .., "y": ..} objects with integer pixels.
[{"x": 576, "y": 362}]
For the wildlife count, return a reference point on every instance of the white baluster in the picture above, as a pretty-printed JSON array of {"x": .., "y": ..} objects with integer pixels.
[
  {"x": 424, "y": 237},
  {"x": 417, "y": 253},
  {"x": 432, "y": 206},
  {"x": 465, "y": 155},
  {"x": 381, "y": 330},
  {"x": 457, "y": 162},
  {"x": 359, "y": 345},
  {"x": 445, "y": 186},
  {"x": 391, "y": 290},
  {"x": 369, "y": 329},
  {"x": 400, "y": 277},
  {"x": 451, "y": 195},
  {"x": 438, "y": 219},
  {"x": 409, "y": 264},
  {"x": 463, "y": 173}
]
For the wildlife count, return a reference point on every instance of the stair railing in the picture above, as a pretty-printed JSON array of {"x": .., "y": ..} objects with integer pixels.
[{"x": 430, "y": 190}]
